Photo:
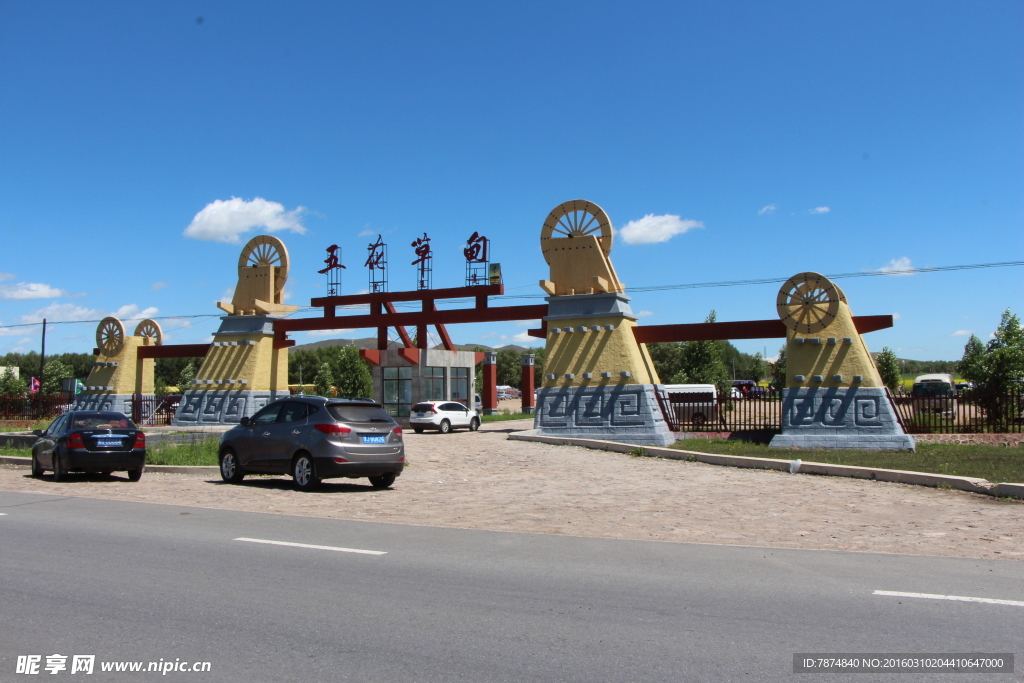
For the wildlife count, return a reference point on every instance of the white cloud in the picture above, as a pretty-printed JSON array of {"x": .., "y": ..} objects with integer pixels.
[
  {"x": 158, "y": 285},
  {"x": 527, "y": 323},
  {"x": 651, "y": 229},
  {"x": 819, "y": 209},
  {"x": 327, "y": 333},
  {"x": 897, "y": 316},
  {"x": 962, "y": 333},
  {"x": 224, "y": 221},
  {"x": 366, "y": 233},
  {"x": 30, "y": 290},
  {"x": 6, "y": 276},
  {"x": 895, "y": 266},
  {"x": 132, "y": 312},
  {"x": 644, "y": 314},
  {"x": 521, "y": 338},
  {"x": 770, "y": 209},
  {"x": 56, "y": 312}
]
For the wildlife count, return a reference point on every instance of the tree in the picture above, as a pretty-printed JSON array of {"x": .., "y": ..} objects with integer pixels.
[
  {"x": 53, "y": 373},
  {"x": 779, "y": 380},
  {"x": 701, "y": 363},
  {"x": 667, "y": 359},
  {"x": 755, "y": 368},
  {"x": 972, "y": 365},
  {"x": 11, "y": 385},
  {"x": 889, "y": 368},
  {"x": 510, "y": 368},
  {"x": 999, "y": 367},
  {"x": 188, "y": 373},
  {"x": 351, "y": 373},
  {"x": 324, "y": 382}
]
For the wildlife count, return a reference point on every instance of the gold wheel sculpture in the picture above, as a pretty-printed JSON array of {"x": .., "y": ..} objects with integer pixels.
[
  {"x": 808, "y": 302},
  {"x": 265, "y": 250},
  {"x": 150, "y": 328},
  {"x": 110, "y": 336},
  {"x": 577, "y": 218}
]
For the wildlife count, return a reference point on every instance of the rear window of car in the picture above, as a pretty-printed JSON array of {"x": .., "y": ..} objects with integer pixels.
[
  {"x": 691, "y": 397},
  {"x": 358, "y": 413},
  {"x": 101, "y": 421},
  {"x": 422, "y": 407}
]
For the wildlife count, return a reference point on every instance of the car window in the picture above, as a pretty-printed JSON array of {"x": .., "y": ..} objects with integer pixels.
[
  {"x": 358, "y": 413},
  {"x": 268, "y": 415},
  {"x": 458, "y": 407},
  {"x": 101, "y": 421},
  {"x": 57, "y": 425},
  {"x": 293, "y": 412},
  {"x": 422, "y": 408}
]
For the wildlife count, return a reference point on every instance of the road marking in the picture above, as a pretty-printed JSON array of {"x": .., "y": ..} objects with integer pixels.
[
  {"x": 313, "y": 547},
  {"x": 958, "y": 598}
]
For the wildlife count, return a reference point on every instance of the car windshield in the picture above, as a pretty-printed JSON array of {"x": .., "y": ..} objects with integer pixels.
[
  {"x": 932, "y": 390},
  {"x": 422, "y": 407},
  {"x": 343, "y": 412},
  {"x": 101, "y": 421}
]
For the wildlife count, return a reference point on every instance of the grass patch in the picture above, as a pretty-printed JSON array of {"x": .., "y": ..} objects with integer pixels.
[
  {"x": 16, "y": 452},
  {"x": 995, "y": 463},
  {"x": 502, "y": 417},
  {"x": 201, "y": 450}
]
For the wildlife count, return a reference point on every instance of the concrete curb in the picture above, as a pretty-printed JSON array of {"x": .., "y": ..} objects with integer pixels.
[
  {"x": 166, "y": 469},
  {"x": 971, "y": 484}
]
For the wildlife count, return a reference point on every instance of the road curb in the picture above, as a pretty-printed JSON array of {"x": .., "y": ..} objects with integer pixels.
[
  {"x": 166, "y": 469},
  {"x": 971, "y": 484}
]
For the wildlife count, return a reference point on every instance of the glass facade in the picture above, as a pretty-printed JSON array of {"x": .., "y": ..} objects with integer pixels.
[
  {"x": 398, "y": 390},
  {"x": 433, "y": 384},
  {"x": 460, "y": 386}
]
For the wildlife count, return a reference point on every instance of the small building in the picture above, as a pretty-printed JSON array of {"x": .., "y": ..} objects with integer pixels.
[{"x": 438, "y": 375}]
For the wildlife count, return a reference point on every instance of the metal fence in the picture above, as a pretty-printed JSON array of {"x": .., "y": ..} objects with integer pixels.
[
  {"x": 965, "y": 414},
  {"x": 707, "y": 414},
  {"x": 154, "y": 410},
  {"x": 37, "y": 407}
]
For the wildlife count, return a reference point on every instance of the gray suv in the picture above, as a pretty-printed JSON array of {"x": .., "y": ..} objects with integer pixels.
[{"x": 314, "y": 438}]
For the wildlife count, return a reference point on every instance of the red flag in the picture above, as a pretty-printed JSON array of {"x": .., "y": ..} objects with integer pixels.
[{"x": 33, "y": 385}]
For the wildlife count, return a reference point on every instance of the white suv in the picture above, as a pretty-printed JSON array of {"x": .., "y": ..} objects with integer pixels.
[{"x": 443, "y": 416}]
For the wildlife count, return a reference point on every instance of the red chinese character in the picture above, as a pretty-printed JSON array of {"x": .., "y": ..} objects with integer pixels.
[{"x": 332, "y": 260}]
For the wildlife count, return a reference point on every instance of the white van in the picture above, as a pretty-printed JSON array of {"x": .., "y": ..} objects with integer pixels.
[
  {"x": 935, "y": 394},
  {"x": 693, "y": 403}
]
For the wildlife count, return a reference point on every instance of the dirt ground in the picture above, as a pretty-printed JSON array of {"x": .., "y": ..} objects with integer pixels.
[{"x": 484, "y": 481}]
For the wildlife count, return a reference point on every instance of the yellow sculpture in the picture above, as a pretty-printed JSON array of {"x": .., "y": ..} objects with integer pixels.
[
  {"x": 590, "y": 325},
  {"x": 823, "y": 346},
  {"x": 118, "y": 371},
  {"x": 262, "y": 272}
]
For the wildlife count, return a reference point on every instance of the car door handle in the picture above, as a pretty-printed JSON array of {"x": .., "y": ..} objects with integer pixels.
[
  {"x": 296, "y": 432},
  {"x": 266, "y": 433}
]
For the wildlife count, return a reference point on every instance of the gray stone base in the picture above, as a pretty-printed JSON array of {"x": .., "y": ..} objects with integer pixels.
[
  {"x": 221, "y": 407},
  {"x": 121, "y": 403},
  {"x": 854, "y": 417},
  {"x": 623, "y": 413}
]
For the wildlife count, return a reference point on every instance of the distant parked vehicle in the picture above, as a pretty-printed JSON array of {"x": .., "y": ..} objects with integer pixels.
[
  {"x": 934, "y": 394},
  {"x": 693, "y": 403},
  {"x": 444, "y": 416},
  {"x": 89, "y": 441}
]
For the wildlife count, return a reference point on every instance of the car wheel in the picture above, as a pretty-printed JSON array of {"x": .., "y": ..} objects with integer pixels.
[
  {"x": 304, "y": 473},
  {"x": 136, "y": 474},
  {"x": 37, "y": 469},
  {"x": 445, "y": 427},
  {"x": 474, "y": 424},
  {"x": 418, "y": 430},
  {"x": 699, "y": 420},
  {"x": 382, "y": 481},
  {"x": 60, "y": 472},
  {"x": 229, "y": 469}
]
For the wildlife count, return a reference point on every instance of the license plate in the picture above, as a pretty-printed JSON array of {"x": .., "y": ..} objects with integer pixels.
[
  {"x": 375, "y": 439},
  {"x": 420, "y": 414},
  {"x": 108, "y": 442}
]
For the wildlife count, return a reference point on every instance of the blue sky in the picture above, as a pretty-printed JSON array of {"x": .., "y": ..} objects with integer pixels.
[{"x": 742, "y": 140}]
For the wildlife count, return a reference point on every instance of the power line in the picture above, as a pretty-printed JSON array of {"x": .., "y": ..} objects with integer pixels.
[{"x": 652, "y": 288}]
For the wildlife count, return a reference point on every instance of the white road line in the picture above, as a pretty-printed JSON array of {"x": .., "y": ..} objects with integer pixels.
[
  {"x": 958, "y": 598},
  {"x": 313, "y": 547}
]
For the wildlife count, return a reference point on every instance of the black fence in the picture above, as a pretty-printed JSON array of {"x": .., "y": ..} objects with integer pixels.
[
  {"x": 965, "y": 414},
  {"x": 35, "y": 407},
  {"x": 154, "y": 410},
  {"x": 699, "y": 413}
]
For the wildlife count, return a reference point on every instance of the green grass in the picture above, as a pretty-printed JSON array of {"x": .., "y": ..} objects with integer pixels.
[
  {"x": 201, "y": 451},
  {"x": 995, "y": 463},
  {"x": 501, "y": 417}
]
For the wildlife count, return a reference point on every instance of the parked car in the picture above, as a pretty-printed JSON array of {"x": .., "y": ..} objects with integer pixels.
[
  {"x": 934, "y": 394},
  {"x": 314, "y": 438},
  {"x": 443, "y": 416},
  {"x": 694, "y": 403},
  {"x": 90, "y": 441}
]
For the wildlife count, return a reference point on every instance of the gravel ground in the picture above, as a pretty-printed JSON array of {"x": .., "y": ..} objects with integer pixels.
[{"x": 484, "y": 481}]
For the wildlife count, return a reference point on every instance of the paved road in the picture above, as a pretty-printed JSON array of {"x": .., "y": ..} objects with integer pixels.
[{"x": 134, "y": 581}]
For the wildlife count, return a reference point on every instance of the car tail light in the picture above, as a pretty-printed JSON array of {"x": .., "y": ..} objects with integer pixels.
[
  {"x": 75, "y": 440},
  {"x": 397, "y": 430},
  {"x": 333, "y": 429},
  {"x": 140, "y": 440},
  {"x": 340, "y": 460}
]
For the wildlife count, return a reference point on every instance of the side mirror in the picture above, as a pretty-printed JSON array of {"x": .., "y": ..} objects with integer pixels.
[
  {"x": 244, "y": 421},
  {"x": 37, "y": 432}
]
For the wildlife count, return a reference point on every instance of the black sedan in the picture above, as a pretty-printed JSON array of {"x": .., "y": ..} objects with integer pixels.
[{"x": 89, "y": 441}]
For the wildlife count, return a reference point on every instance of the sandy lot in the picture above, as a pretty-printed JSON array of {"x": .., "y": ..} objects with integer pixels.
[{"x": 484, "y": 481}]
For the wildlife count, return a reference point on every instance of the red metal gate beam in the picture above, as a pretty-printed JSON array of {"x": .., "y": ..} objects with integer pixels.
[
  {"x": 174, "y": 351},
  {"x": 743, "y": 329},
  {"x": 413, "y": 318}
]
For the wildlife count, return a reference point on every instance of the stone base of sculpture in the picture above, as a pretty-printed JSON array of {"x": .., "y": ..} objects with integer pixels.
[
  {"x": 221, "y": 406},
  {"x": 627, "y": 413},
  {"x": 838, "y": 417},
  {"x": 121, "y": 403}
]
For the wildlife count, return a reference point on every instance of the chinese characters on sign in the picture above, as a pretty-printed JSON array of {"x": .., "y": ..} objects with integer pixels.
[
  {"x": 378, "y": 261},
  {"x": 424, "y": 258},
  {"x": 333, "y": 270},
  {"x": 477, "y": 254}
]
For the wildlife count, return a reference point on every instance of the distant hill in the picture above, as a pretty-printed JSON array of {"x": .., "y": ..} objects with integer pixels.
[{"x": 371, "y": 343}]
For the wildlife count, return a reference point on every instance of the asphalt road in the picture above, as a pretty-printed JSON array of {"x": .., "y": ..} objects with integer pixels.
[{"x": 140, "y": 582}]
